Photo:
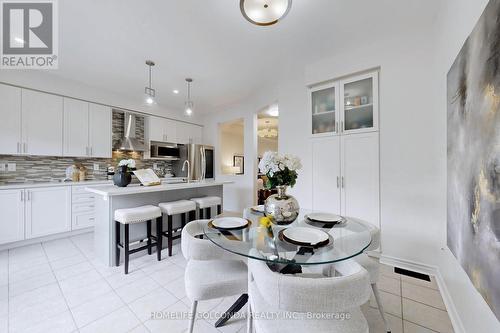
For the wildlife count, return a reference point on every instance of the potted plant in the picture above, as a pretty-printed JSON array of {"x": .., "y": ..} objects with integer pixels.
[
  {"x": 281, "y": 170},
  {"x": 123, "y": 177}
]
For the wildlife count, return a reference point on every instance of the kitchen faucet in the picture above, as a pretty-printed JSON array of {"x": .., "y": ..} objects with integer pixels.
[{"x": 189, "y": 170}]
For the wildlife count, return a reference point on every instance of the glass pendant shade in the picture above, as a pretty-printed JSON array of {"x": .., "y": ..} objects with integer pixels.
[{"x": 265, "y": 12}]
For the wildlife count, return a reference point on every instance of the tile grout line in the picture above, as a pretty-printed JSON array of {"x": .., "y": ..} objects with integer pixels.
[
  {"x": 59, "y": 286},
  {"x": 112, "y": 290},
  {"x": 420, "y": 325}
]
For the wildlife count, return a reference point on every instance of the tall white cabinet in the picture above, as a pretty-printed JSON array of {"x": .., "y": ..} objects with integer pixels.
[{"x": 345, "y": 147}]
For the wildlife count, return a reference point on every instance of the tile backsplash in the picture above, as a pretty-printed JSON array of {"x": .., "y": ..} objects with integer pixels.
[{"x": 48, "y": 168}]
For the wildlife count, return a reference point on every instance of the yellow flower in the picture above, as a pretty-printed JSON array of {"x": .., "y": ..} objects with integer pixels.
[{"x": 265, "y": 222}]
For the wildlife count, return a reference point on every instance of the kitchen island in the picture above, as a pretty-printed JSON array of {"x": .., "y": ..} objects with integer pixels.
[{"x": 110, "y": 198}]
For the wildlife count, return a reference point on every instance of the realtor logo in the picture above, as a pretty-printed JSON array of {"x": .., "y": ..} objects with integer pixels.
[{"x": 29, "y": 34}]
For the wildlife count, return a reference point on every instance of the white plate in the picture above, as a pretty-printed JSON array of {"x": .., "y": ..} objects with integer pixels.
[
  {"x": 325, "y": 217},
  {"x": 229, "y": 222},
  {"x": 305, "y": 235},
  {"x": 258, "y": 209}
]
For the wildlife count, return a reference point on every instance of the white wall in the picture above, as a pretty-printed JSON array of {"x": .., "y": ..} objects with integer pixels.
[
  {"x": 265, "y": 144},
  {"x": 230, "y": 144},
  {"x": 48, "y": 81}
]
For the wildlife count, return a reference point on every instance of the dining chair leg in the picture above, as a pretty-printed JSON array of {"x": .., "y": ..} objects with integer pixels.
[
  {"x": 126, "y": 247},
  {"x": 159, "y": 236},
  {"x": 169, "y": 237},
  {"x": 148, "y": 227},
  {"x": 117, "y": 235},
  {"x": 193, "y": 316},
  {"x": 208, "y": 212},
  {"x": 380, "y": 307}
]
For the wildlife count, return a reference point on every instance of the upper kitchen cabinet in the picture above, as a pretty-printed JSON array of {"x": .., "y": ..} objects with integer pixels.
[
  {"x": 345, "y": 106},
  {"x": 158, "y": 128},
  {"x": 167, "y": 130},
  {"x": 359, "y": 103},
  {"x": 324, "y": 109},
  {"x": 87, "y": 129},
  {"x": 76, "y": 127},
  {"x": 188, "y": 133},
  {"x": 42, "y": 123},
  {"x": 10, "y": 126},
  {"x": 100, "y": 130}
]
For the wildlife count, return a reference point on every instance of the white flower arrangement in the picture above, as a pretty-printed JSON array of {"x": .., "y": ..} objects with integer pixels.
[
  {"x": 281, "y": 169},
  {"x": 130, "y": 163}
]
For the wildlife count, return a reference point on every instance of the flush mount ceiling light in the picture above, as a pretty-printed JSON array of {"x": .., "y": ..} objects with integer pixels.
[
  {"x": 149, "y": 92},
  {"x": 189, "y": 105},
  {"x": 265, "y": 12}
]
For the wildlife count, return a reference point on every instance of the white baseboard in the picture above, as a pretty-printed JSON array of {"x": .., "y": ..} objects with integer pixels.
[
  {"x": 434, "y": 271},
  {"x": 25, "y": 242}
]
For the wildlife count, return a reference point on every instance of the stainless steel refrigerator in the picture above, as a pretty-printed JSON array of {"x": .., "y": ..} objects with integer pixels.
[{"x": 201, "y": 161}]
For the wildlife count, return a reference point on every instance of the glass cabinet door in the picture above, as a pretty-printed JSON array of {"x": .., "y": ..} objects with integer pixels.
[
  {"x": 323, "y": 110},
  {"x": 360, "y": 99}
]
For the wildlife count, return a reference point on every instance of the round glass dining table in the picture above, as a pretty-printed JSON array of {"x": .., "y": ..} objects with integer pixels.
[{"x": 346, "y": 240}]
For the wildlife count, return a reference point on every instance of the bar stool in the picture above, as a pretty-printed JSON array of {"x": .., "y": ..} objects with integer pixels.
[
  {"x": 206, "y": 203},
  {"x": 186, "y": 209},
  {"x": 129, "y": 216}
]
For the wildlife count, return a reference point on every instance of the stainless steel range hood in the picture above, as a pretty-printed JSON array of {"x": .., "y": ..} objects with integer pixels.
[{"x": 129, "y": 141}]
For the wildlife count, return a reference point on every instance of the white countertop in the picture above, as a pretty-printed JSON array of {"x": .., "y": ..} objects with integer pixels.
[
  {"x": 112, "y": 190},
  {"x": 6, "y": 186}
]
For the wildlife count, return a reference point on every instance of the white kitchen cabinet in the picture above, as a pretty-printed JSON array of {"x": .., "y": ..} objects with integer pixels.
[
  {"x": 326, "y": 174},
  {"x": 48, "y": 211},
  {"x": 324, "y": 103},
  {"x": 12, "y": 221},
  {"x": 42, "y": 123},
  {"x": 76, "y": 128},
  {"x": 188, "y": 133},
  {"x": 100, "y": 131},
  {"x": 157, "y": 129},
  {"x": 170, "y": 130},
  {"x": 10, "y": 124},
  {"x": 360, "y": 177},
  {"x": 87, "y": 129},
  {"x": 345, "y": 106},
  {"x": 359, "y": 107},
  {"x": 83, "y": 208},
  {"x": 346, "y": 176}
]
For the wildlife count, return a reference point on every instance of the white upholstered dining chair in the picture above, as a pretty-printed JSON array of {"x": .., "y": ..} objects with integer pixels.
[
  {"x": 286, "y": 303},
  {"x": 372, "y": 265},
  {"x": 211, "y": 271}
]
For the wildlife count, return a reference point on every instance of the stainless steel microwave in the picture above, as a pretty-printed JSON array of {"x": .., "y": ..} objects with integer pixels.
[{"x": 165, "y": 151}]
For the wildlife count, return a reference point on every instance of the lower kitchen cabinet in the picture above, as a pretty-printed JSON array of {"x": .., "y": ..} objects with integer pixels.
[
  {"x": 48, "y": 211},
  {"x": 12, "y": 221}
]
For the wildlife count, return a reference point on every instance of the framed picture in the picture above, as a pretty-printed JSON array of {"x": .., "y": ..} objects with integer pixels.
[{"x": 239, "y": 162}]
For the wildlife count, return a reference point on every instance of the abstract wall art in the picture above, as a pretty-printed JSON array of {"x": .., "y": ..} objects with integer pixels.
[{"x": 473, "y": 121}]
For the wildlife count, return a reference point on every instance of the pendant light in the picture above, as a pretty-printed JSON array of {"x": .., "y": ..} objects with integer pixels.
[
  {"x": 189, "y": 105},
  {"x": 149, "y": 92},
  {"x": 265, "y": 12}
]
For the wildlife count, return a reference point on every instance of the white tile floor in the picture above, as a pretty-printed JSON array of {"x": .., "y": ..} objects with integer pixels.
[{"x": 59, "y": 286}]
